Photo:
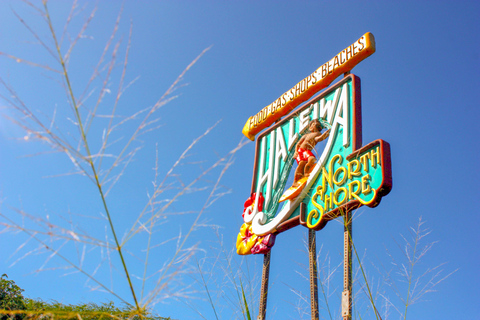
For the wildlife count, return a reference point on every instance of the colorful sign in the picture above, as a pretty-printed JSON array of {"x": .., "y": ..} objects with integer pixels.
[
  {"x": 346, "y": 183},
  {"x": 333, "y": 175},
  {"x": 342, "y": 174},
  {"x": 305, "y": 89}
]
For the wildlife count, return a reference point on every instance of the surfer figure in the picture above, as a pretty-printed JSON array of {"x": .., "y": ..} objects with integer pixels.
[{"x": 303, "y": 150}]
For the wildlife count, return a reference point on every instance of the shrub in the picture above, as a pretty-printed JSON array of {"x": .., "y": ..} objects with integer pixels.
[{"x": 11, "y": 299}]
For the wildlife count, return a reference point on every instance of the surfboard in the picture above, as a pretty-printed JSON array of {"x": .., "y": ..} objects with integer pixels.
[{"x": 293, "y": 192}]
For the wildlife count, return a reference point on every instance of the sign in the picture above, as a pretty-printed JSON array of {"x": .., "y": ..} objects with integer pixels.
[
  {"x": 345, "y": 175},
  {"x": 362, "y": 178},
  {"x": 321, "y": 78},
  {"x": 334, "y": 174}
]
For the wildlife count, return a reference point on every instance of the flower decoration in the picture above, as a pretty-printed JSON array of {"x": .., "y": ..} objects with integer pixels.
[
  {"x": 247, "y": 241},
  {"x": 250, "y": 203}
]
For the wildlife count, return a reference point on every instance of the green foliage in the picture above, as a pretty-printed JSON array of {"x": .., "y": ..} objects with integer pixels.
[
  {"x": 11, "y": 298},
  {"x": 247, "y": 311},
  {"x": 14, "y": 306},
  {"x": 86, "y": 311}
]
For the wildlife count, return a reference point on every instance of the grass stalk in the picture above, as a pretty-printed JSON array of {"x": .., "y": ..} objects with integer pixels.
[
  {"x": 370, "y": 296},
  {"x": 245, "y": 304},
  {"x": 206, "y": 289},
  {"x": 89, "y": 158},
  {"x": 90, "y": 162},
  {"x": 195, "y": 223},
  {"x": 410, "y": 276}
]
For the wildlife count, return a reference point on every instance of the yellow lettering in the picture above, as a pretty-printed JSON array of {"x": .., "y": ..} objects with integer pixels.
[
  {"x": 328, "y": 201},
  {"x": 326, "y": 177},
  {"x": 335, "y": 196},
  {"x": 336, "y": 158},
  {"x": 313, "y": 214},
  {"x": 351, "y": 190},
  {"x": 375, "y": 157},
  {"x": 366, "y": 203},
  {"x": 364, "y": 161},
  {"x": 320, "y": 192},
  {"x": 315, "y": 203},
  {"x": 336, "y": 174},
  {"x": 351, "y": 171},
  {"x": 366, "y": 189}
]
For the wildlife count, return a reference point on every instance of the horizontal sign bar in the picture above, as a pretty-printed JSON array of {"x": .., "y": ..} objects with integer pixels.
[{"x": 305, "y": 89}]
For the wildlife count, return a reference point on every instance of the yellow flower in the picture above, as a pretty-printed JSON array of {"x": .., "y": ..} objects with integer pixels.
[{"x": 246, "y": 239}]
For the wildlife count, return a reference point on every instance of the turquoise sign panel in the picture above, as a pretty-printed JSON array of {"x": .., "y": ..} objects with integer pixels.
[
  {"x": 338, "y": 110},
  {"x": 361, "y": 178}
]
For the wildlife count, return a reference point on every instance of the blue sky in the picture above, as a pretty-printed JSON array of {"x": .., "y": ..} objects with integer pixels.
[{"x": 419, "y": 93}]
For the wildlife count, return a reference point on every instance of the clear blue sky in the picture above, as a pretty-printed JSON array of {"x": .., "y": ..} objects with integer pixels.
[{"x": 419, "y": 93}]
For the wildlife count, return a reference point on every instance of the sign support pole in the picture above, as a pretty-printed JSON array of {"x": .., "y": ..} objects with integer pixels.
[
  {"x": 264, "y": 290},
  {"x": 347, "y": 261},
  {"x": 312, "y": 260},
  {"x": 347, "y": 267},
  {"x": 312, "y": 254}
]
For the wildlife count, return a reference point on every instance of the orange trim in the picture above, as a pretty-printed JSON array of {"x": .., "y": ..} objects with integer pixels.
[{"x": 321, "y": 78}]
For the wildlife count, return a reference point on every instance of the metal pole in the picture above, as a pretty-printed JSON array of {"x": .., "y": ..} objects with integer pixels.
[
  {"x": 264, "y": 290},
  {"x": 312, "y": 261},
  {"x": 347, "y": 261},
  {"x": 312, "y": 254},
  {"x": 347, "y": 268}
]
